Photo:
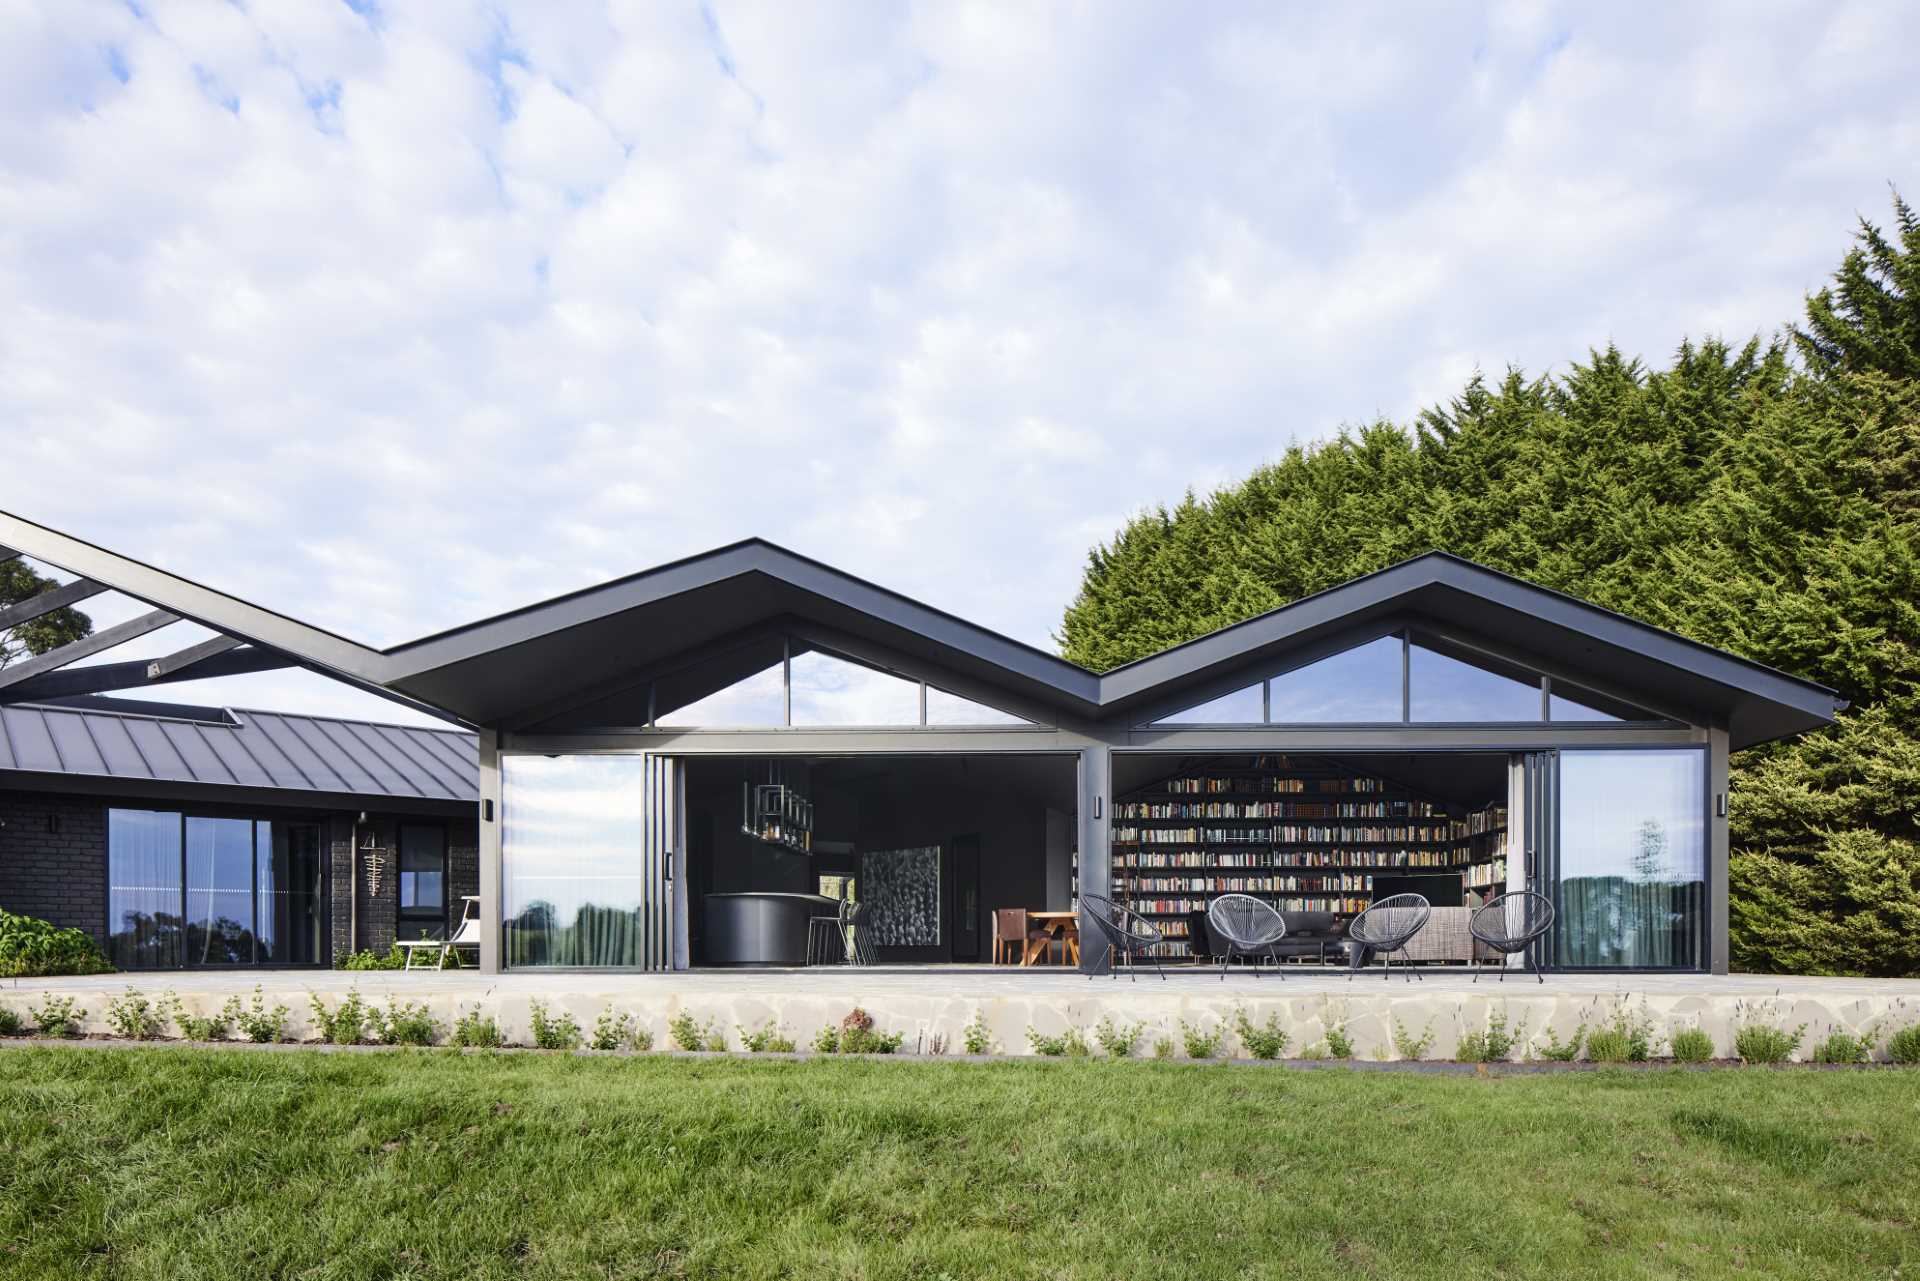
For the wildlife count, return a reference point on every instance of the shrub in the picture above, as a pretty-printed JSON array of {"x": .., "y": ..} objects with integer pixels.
[
  {"x": 616, "y": 1030},
  {"x": 10, "y": 1021},
  {"x": 391, "y": 959},
  {"x": 344, "y": 1026},
  {"x": 975, "y": 1035},
  {"x": 1494, "y": 1043},
  {"x": 1692, "y": 1045},
  {"x": 1266, "y": 1041},
  {"x": 1339, "y": 1044},
  {"x": 1117, "y": 1039},
  {"x": 1163, "y": 1048},
  {"x": 1314, "y": 1052},
  {"x": 1068, "y": 1044},
  {"x": 689, "y": 1035},
  {"x": 1557, "y": 1051},
  {"x": 549, "y": 1032},
  {"x": 1764, "y": 1043},
  {"x": 1201, "y": 1043},
  {"x": 257, "y": 1022},
  {"x": 33, "y": 948},
  {"x": 476, "y": 1031},
  {"x": 57, "y": 1016},
  {"x": 1904, "y": 1046},
  {"x": 1409, "y": 1046},
  {"x": 858, "y": 1037},
  {"x": 407, "y": 1023},
  {"x": 768, "y": 1038},
  {"x": 827, "y": 1040},
  {"x": 1844, "y": 1047},
  {"x": 1625, "y": 1038},
  {"x": 134, "y": 1017}
]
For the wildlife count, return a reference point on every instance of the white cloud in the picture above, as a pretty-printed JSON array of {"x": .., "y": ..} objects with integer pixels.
[{"x": 395, "y": 321}]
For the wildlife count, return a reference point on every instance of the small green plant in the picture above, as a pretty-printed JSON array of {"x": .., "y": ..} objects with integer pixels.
[
  {"x": 1164, "y": 1048},
  {"x": 1758, "y": 1042},
  {"x": 1068, "y": 1044},
  {"x": 615, "y": 1030},
  {"x": 768, "y": 1038},
  {"x": 10, "y": 1021},
  {"x": 1691, "y": 1045},
  {"x": 344, "y": 1026},
  {"x": 257, "y": 1021},
  {"x": 406, "y": 1023},
  {"x": 1409, "y": 1046},
  {"x": 1494, "y": 1043},
  {"x": 1904, "y": 1046},
  {"x": 1627, "y": 1037},
  {"x": 57, "y": 1016},
  {"x": 211, "y": 1027},
  {"x": 1265, "y": 1041},
  {"x": 551, "y": 1032},
  {"x": 686, "y": 1034},
  {"x": 827, "y": 1040},
  {"x": 1339, "y": 1044},
  {"x": 1201, "y": 1043},
  {"x": 33, "y": 948},
  {"x": 134, "y": 1016},
  {"x": 975, "y": 1035},
  {"x": 476, "y": 1031},
  {"x": 1844, "y": 1047},
  {"x": 858, "y": 1037},
  {"x": 1315, "y": 1052},
  {"x": 1554, "y": 1050},
  {"x": 391, "y": 959},
  {"x": 1117, "y": 1039}
]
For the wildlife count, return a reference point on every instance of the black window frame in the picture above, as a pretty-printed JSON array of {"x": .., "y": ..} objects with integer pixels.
[{"x": 403, "y": 915}]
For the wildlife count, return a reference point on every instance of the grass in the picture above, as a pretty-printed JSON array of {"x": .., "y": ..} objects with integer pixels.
[{"x": 181, "y": 1162}]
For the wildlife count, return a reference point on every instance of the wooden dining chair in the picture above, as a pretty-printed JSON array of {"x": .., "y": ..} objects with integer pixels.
[{"x": 1009, "y": 934}]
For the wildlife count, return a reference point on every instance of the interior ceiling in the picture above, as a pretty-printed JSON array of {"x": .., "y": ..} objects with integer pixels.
[{"x": 1465, "y": 779}]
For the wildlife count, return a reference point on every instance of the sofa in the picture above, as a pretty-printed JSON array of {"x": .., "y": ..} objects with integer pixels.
[{"x": 1311, "y": 936}]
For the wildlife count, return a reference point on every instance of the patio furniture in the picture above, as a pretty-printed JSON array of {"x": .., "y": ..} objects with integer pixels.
[
  {"x": 1511, "y": 922},
  {"x": 1200, "y": 939},
  {"x": 1126, "y": 933},
  {"x": 859, "y": 937},
  {"x": 1385, "y": 928},
  {"x": 1011, "y": 934},
  {"x": 827, "y": 935},
  {"x": 468, "y": 935},
  {"x": 1247, "y": 927},
  {"x": 1309, "y": 936},
  {"x": 1053, "y": 927}
]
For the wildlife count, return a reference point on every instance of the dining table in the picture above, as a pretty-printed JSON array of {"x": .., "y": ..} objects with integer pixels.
[{"x": 1058, "y": 927}]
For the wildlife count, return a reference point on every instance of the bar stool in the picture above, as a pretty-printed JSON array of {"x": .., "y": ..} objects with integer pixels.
[{"x": 827, "y": 934}]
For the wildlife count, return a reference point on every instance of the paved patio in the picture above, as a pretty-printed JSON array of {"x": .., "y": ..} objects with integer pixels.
[{"x": 931, "y": 1005}]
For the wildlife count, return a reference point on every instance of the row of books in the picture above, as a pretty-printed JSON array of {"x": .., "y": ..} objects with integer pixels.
[
  {"x": 1205, "y": 786},
  {"x": 1275, "y": 834},
  {"x": 1488, "y": 875},
  {"x": 1129, "y": 860},
  {"x": 1280, "y": 809},
  {"x": 1491, "y": 819},
  {"x": 1346, "y": 883},
  {"x": 1150, "y": 906}
]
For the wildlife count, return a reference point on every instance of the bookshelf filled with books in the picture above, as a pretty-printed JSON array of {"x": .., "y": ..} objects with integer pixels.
[{"x": 1304, "y": 835}]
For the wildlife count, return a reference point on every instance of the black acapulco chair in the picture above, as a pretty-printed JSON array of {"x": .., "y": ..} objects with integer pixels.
[
  {"x": 1510, "y": 923},
  {"x": 1247, "y": 927},
  {"x": 1127, "y": 933},
  {"x": 1388, "y": 926}
]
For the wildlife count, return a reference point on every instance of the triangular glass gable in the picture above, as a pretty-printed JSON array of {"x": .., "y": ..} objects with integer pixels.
[
  {"x": 757, "y": 702},
  {"x": 1355, "y": 686},
  {"x": 1571, "y": 703},
  {"x": 1443, "y": 688},
  {"x": 1242, "y": 707},
  {"x": 951, "y": 709},
  {"x": 831, "y": 691}
]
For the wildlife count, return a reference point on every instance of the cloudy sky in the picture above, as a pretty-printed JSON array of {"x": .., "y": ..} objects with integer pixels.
[{"x": 391, "y": 316}]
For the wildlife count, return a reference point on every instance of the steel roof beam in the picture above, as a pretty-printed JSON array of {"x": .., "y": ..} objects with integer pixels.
[
  {"x": 106, "y": 638},
  {"x": 104, "y": 678},
  {"x": 47, "y": 601}
]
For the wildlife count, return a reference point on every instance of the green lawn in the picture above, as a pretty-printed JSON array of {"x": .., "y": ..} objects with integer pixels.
[{"x": 183, "y": 1163}]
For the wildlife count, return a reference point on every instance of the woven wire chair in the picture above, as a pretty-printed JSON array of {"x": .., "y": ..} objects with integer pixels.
[
  {"x": 1510, "y": 923},
  {"x": 858, "y": 933},
  {"x": 1247, "y": 926},
  {"x": 1388, "y": 926},
  {"x": 1128, "y": 934}
]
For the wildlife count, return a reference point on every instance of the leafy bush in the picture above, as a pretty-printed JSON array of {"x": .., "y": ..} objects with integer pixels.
[
  {"x": 391, "y": 959},
  {"x": 1844, "y": 1047},
  {"x": 344, "y": 1026},
  {"x": 33, "y": 948},
  {"x": 1557, "y": 1051},
  {"x": 827, "y": 1040},
  {"x": 1314, "y": 1052},
  {"x": 133, "y": 1016},
  {"x": 256, "y": 1021},
  {"x": 689, "y": 1035},
  {"x": 476, "y": 1031},
  {"x": 57, "y": 1016},
  {"x": 1627, "y": 1037},
  {"x": 1068, "y": 1044},
  {"x": 858, "y": 1037},
  {"x": 1692, "y": 1045},
  {"x": 616, "y": 1030},
  {"x": 975, "y": 1035},
  {"x": 1339, "y": 1044},
  {"x": 549, "y": 1032},
  {"x": 1117, "y": 1039},
  {"x": 1763, "y": 1043},
  {"x": 1494, "y": 1043},
  {"x": 10, "y": 1021},
  {"x": 1164, "y": 1048},
  {"x": 407, "y": 1023},
  {"x": 768, "y": 1038},
  {"x": 1904, "y": 1046},
  {"x": 1409, "y": 1046},
  {"x": 1201, "y": 1043},
  {"x": 1266, "y": 1041}
]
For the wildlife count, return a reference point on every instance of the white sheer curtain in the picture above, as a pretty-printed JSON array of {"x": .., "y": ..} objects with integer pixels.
[
  {"x": 571, "y": 837},
  {"x": 143, "y": 889}
]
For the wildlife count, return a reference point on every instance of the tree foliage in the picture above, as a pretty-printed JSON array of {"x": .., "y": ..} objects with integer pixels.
[
  {"x": 49, "y": 631},
  {"x": 1736, "y": 496}
]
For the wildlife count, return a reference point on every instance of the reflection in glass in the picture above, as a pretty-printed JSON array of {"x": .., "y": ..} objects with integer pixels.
[
  {"x": 758, "y": 701},
  {"x": 951, "y": 709},
  {"x": 423, "y": 870},
  {"x": 288, "y": 932},
  {"x": 1446, "y": 689},
  {"x": 832, "y": 691},
  {"x": 143, "y": 889},
  {"x": 1632, "y": 859},
  {"x": 570, "y": 848},
  {"x": 1570, "y": 703},
  {"x": 220, "y": 858},
  {"x": 1356, "y": 685},
  {"x": 1242, "y": 707}
]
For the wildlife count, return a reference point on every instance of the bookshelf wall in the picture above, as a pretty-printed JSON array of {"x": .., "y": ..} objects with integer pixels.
[{"x": 1300, "y": 835}]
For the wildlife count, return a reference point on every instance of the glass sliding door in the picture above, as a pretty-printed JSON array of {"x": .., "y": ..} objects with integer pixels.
[
  {"x": 288, "y": 872},
  {"x": 572, "y": 844},
  {"x": 143, "y": 890},
  {"x": 220, "y": 902},
  {"x": 1631, "y": 862}
]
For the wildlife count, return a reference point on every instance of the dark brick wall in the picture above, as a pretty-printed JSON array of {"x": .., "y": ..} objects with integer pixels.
[
  {"x": 57, "y": 875},
  {"x": 379, "y": 903}
]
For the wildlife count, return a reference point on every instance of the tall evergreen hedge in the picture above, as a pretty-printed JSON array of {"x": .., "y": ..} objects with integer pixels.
[{"x": 1763, "y": 497}]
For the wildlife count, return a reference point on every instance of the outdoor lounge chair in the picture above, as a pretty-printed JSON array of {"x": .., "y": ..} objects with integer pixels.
[
  {"x": 1509, "y": 923},
  {"x": 1387, "y": 927},
  {"x": 1127, "y": 933},
  {"x": 1242, "y": 924},
  {"x": 468, "y": 935}
]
